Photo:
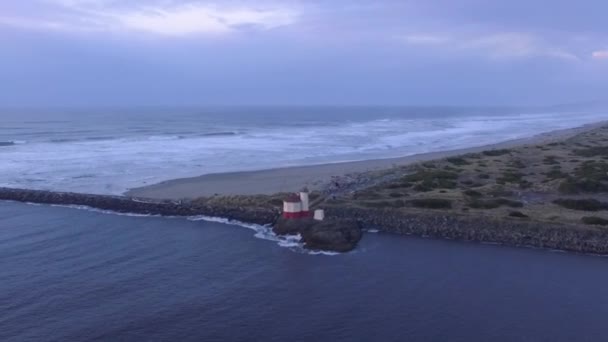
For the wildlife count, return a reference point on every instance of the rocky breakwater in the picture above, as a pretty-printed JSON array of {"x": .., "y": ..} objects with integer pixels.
[
  {"x": 339, "y": 235},
  {"x": 123, "y": 204},
  {"x": 574, "y": 238}
]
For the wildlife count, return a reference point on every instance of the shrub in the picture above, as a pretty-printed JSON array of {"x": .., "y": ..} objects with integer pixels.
[
  {"x": 524, "y": 184},
  {"x": 431, "y": 203},
  {"x": 432, "y": 179},
  {"x": 518, "y": 164},
  {"x": 591, "y": 169},
  {"x": 581, "y": 204},
  {"x": 572, "y": 186},
  {"x": 510, "y": 177},
  {"x": 397, "y": 194},
  {"x": 555, "y": 174},
  {"x": 496, "y": 153},
  {"x": 518, "y": 214},
  {"x": 594, "y": 220},
  {"x": 494, "y": 203},
  {"x": 550, "y": 160},
  {"x": 423, "y": 175},
  {"x": 422, "y": 187},
  {"x": 500, "y": 191},
  {"x": 459, "y": 161},
  {"x": 473, "y": 193},
  {"x": 385, "y": 204},
  {"x": 592, "y": 151},
  {"x": 399, "y": 185}
]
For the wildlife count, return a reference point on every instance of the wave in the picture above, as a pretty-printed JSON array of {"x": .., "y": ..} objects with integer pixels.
[
  {"x": 264, "y": 232},
  {"x": 219, "y": 134},
  {"x": 11, "y": 143}
]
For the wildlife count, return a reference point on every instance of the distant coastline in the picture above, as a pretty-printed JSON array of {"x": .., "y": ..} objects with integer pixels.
[{"x": 316, "y": 176}]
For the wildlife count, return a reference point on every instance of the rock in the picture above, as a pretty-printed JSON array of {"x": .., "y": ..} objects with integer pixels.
[
  {"x": 329, "y": 235},
  {"x": 123, "y": 204}
]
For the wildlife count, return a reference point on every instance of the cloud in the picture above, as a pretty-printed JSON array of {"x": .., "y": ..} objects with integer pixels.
[
  {"x": 517, "y": 45},
  {"x": 424, "y": 39},
  {"x": 600, "y": 54},
  {"x": 164, "y": 18},
  {"x": 498, "y": 46}
]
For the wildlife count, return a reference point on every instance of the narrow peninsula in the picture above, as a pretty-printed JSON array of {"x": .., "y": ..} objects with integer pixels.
[{"x": 543, "y": 193}]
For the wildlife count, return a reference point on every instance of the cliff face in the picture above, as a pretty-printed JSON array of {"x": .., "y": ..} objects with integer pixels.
[
  {"x": 509, "y": 232},
  {"x": 141, "y": 206}
]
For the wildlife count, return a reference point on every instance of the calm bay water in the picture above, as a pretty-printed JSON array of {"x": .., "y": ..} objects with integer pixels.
[{"x": 77, "y": 275}]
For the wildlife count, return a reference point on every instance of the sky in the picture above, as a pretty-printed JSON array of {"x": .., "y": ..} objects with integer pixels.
[{"x": 290, "y": 52}]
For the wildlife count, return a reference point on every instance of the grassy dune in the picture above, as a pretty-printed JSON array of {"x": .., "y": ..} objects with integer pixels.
[{"x": 560, "y": 182}]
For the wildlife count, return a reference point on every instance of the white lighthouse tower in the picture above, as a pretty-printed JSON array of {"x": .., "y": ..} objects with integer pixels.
[{"x": 305, "y": 202}]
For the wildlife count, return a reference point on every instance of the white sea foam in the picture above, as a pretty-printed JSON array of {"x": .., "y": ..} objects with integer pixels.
[
  {"x": 264, "y": 232},
  {"x": 128, "y": 161},
  {"x": 101, "y": 211}
]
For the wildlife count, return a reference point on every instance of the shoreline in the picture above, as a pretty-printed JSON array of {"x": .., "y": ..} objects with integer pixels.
[{"x": 289, "y": 179}]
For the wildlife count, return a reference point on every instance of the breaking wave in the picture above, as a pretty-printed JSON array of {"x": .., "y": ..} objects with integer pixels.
[
  {"x": 264, "y": 232},
  {"x": 11, "y": 143}
]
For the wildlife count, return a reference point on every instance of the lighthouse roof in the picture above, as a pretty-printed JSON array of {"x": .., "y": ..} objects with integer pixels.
[{"x": 292, "y": 198}]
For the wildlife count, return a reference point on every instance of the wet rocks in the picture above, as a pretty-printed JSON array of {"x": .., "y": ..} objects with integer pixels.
[
  {"x": 328, "y": 235},
  {"x": 123, "y": 204},
  {"x": 514, "y": 232}
]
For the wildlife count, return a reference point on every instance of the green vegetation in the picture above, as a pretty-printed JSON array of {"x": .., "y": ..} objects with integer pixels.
[
  {"x": 431, "y": 203},
  {"x": 589, "y": 177},
  {"x": 594, "y": 220},
  {"x": 496, "y": 153},
  {"x": 518, "y": 164},
  {"x": 385, "y": 204},
  {"x": 432, "y": 179},
  {"x": 550, "y": 160},
  {"x": 518, "y": 214},
  {"x": 582, "y": 204},
  {"x": 573, "y": 186},
  {"x": 473, "y": 193},
  {"x": 555, "y": 174},
  {"x": 594, "y": 151},
  {"x": 458, "y": 161},
  {"x": 397, "y": 194},
  {"x": 494, "y": 203},
  {"x": 510, "y": 177},
  {"x": 493, "y": 183}
]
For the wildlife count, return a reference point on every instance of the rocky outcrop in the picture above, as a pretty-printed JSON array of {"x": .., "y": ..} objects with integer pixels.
[
  {"x": 142, "y": 206},
  {"x": 516, "y": 232},
  {"x": 329, "y": 235}
]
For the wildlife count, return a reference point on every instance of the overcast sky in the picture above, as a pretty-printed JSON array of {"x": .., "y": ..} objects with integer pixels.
[{"x": 391, "y": 52}]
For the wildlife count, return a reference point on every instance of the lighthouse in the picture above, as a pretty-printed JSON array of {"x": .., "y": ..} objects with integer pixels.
[
  {"x": 292, "y": 207},
  {"x": 296, "y": 205},
  {"x": 305, "y": 202}
]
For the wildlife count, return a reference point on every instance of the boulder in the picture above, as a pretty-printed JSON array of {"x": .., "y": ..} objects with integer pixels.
[{"x": 327, "y": 235}]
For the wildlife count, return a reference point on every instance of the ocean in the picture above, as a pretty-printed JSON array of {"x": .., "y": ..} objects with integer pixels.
[
  {"x": 80, "y": 275},
  {"x": 109, "y": 151}
]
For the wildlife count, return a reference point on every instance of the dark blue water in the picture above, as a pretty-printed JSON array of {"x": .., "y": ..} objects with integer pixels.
[{"x": 75, "y": 275}]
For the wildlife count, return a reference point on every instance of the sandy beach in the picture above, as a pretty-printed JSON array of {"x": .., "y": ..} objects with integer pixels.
[{"x": 314, "y": 176}]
